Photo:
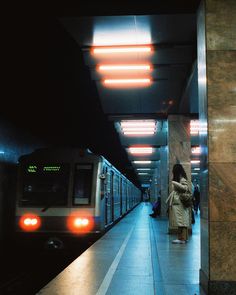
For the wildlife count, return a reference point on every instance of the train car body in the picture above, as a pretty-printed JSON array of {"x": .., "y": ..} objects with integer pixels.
[{"x": 70, "y": 192}]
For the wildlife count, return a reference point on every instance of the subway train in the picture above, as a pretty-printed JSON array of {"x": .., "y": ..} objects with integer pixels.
[{"x": 70, "y": 192}]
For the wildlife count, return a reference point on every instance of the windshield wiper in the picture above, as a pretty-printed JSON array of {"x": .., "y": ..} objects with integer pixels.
[{"x": 49, "y": 205}]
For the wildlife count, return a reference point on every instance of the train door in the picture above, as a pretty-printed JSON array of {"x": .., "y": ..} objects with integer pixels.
[
  {"x": 126, "y": 197},
  {"x": 109, "y": 198},
  {"x": 121, "y": 194},
  {"x": 112, "y": 196}
]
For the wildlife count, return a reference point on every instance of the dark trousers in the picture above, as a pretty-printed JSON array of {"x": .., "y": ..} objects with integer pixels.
[{"x": 182, "y": 233}]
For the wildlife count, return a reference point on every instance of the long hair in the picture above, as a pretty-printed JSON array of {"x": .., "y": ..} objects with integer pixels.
[{"x": 178, "y": 172}]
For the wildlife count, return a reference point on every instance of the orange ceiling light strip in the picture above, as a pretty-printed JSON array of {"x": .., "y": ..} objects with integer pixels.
[
  {"x": 124, "y": 67},
  {"x": 127, "y": 81},
  {"x": 140, "y": 150},
  {"x": 121, "y": 49}
]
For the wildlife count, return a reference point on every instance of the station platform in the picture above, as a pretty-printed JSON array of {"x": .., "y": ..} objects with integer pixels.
[{"x": 135, "y": 257}]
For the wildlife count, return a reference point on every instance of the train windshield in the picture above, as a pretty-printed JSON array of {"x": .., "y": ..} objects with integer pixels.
[
  {"x": 45, "y": 185},
  {"x": 82, "y": 184}
]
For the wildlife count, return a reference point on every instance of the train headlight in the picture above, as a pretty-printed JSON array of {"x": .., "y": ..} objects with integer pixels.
[
  {"x": 80, "y": 224},
  {"x": 29, "y": 222}
]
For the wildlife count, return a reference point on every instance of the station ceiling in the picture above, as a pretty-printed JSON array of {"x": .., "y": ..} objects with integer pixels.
[{"x": 60, "y": 95}]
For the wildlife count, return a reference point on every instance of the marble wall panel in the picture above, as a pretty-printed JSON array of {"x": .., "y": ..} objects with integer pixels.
[
  {"x": 222, "y": 105},
  {"x": 222, "y": 251},
  {"x": 222, "y": 191},
  {"x": 179, "y": 139},
  {"x": 221, "y": 24},
  {"x": 216, "y": 26},
  {"x": 204, "y": 246}
]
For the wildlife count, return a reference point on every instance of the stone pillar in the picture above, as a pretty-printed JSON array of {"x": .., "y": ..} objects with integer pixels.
[
  {"x": 155, "y": 185},
  {"x": 216, "y": 29},
  {"x": 163, "y": 178},
  {"x": 179, "y": 147}
]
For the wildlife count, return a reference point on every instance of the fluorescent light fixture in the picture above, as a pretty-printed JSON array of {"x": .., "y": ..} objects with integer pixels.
[
  {"x": 138, "y": 127},
  {"x": 127, "y": 81},
  {"x": 194, "y": 127},
  {"x": 143, "y": 169},
  {"x": 195, "y": 161},
  {"x": 142, "y": 162},
  {"x": 196, "y": 150},
  {"x": 193, "y": 173},
  {"x": 139, "y": 132},
  {"x": 143, "y": 173},
  {"x": 121, "y": 49},
  {"x": 138, "y": 123},
  {"x": 124, "y": 67},
  {"x": 140, "y": 150},
  {"x": 197, "y": 169}
]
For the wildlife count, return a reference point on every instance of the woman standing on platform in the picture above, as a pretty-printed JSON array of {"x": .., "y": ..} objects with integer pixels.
[{"x": 178, "y": 214}]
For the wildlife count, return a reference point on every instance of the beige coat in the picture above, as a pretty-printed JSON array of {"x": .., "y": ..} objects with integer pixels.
[{"x": 178, "y": 214}]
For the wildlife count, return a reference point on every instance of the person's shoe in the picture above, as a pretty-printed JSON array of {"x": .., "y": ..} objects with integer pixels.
[{"x": 178, "y": 242}]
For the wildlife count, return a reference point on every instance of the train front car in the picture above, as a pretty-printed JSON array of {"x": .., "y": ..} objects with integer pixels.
[
  {"x": 69, "y": 193},
  {"x": 58, "y": 196}
]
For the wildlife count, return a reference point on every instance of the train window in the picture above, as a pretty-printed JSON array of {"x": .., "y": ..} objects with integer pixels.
[
  {"x": 83, "y": 184},
  {"x": 45, "y": 185}
]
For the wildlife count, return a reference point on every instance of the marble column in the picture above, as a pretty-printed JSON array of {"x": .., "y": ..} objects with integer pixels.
[
  {"x": 216, "y": 29},
  {"x": 163, "y": 178},
  {"x": 179, "y": 151},
  {"x": 155, "y": 185}
]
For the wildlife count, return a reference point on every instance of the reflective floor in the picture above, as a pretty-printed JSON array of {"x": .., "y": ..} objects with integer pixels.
[{"x": 136, "y": 257}]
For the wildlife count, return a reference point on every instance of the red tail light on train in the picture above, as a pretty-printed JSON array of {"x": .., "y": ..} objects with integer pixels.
[
  {"x": 30, "y": 222},
  {"x": 77, "y": 224}
]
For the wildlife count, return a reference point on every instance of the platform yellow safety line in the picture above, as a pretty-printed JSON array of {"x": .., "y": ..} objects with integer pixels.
[{"x": 110, "y": 273}]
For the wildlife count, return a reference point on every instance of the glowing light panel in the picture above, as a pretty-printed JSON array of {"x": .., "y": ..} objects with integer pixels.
[
  {"x": 139, "y": 132},
  {"x": 127, "y": 81},
  {"x": 195, "y": 161},
  {"x": 121, "y": 49},
  {"x": 138, "y": 127},
  {"x": 196, "y": 150},
  {"x": 194, "y": 127},
  {"x": 142, "y": 162},
  {"x": 121, "y": 30},
  {"x": 141, "y": 150},
  {"x": 124, "y": 67},
  {"x": 138, "y": 124}
]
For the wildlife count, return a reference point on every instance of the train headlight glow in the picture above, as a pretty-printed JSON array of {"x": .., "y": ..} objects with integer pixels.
[
  {"x": 29, "y": 222},
  {"x": 80, "y": 224}
]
